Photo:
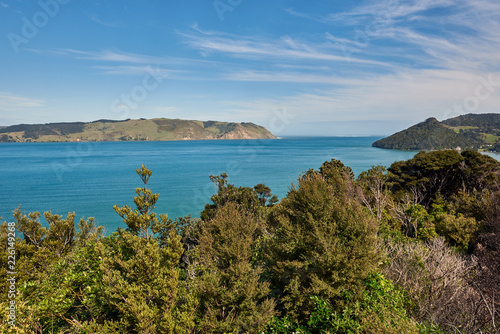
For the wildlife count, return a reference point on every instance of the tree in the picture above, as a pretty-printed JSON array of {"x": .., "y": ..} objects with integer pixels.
[
  {"x": 375, "y": 193},
  {"x": 128, "y": 282},
  {"x": 381, "y": 310},
  {"x": 142, "y": 221},
  {"x": 481, "y": 172},
  {"x": 323, "y": 242},
  {"x": 226, "y": 193},
  {"x": 41, "y": 246},
  {"x": 45, "y": 296},
  {"x": 141, "y": 275},
  {"x": 459, "y": 231},
  {"x": 233, "y": 297},
  {"x": 265, "y": 196},
  {"x": 429, "y": 173},
  {"x": 142, "y": 287},
  {"x": 254, "y": 200},
  {"x": 410, "y": 214},
  {"x": 438, "y": 282},
  {"x": 445, "y": 173}
]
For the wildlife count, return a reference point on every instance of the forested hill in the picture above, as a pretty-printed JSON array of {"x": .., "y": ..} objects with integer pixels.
[
  {"x": 132, "y": 129},
  {"x": 472, "y": 131}
]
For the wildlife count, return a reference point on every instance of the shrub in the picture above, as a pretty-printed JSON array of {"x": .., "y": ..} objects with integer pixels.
[
  {"x": 437, "y": 281},
  {"x": 323, "y": 242}
]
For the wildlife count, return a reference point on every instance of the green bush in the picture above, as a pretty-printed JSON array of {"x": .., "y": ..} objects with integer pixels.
[
  {"x": 381, "y": 310},
  {"x": 323, "y": 242}
]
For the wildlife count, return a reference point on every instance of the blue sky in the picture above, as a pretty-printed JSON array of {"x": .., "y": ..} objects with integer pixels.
[{"x": 296, "y": 67}]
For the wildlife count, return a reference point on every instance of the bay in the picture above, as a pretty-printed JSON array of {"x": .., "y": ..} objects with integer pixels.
[{"x": 89, "y": 178}]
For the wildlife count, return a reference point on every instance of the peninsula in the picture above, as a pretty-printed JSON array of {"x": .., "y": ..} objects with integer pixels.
[
  {"x": 158, "y": 129},
  {"x": 472, "y": 131}
]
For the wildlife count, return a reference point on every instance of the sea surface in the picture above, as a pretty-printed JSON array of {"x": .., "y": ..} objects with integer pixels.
[{"x": 89, "y": 178}]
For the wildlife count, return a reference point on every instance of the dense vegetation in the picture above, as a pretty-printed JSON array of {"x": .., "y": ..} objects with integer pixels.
[
  {"x": 467, "y": 132},
  {"x": 410, "y": 249},
  {"x": 34, "y": 131},
  {"x": 138, "y": 129},
  {"x": 484, "y": 122}
]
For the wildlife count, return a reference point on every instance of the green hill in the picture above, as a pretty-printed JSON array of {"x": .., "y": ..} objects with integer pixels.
[
  {"x": 132, "y": 129},
  {"x": 478, "y": 132}
]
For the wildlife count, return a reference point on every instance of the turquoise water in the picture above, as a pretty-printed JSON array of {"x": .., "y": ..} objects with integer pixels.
[{"x": 88, "y": 178}]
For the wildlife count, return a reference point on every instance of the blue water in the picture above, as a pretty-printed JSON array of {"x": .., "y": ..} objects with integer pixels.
[{"x": 88, "y": 178}]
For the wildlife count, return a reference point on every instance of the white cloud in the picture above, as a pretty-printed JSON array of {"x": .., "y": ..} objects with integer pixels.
[
  {"x": 94, "y": 17},
  {"x": 137, "y": 70},
  {"x": 285, "y": 48},
  {"x": 442, "y": 58},
  {"x": 119, "y": 62},
  {"x": 407, "y": 97},
  {"x": 448, "y": 34},
  {"x": 13, "y": 103},
  {"x": 420, "y": 58}
]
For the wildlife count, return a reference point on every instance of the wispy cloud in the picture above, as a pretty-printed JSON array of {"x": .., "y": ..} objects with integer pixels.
[
  {"x": 416, "y": 59},
  {"x": 254, "y": 47},
  {"x": 410, "y": 96},
  {"x": 119, "y": 56},
  {"x": 444, "y": 48},
  {"x": 448, "y": 34},
  {"x": 290, "y": 77},
  {"x": 11, "y": 103},
  {"x": 118, "y": 62},
  {"x": 136, "y": 70},
  {"x": 110, "y": 56},
  {"x": 94, "y": 17}
]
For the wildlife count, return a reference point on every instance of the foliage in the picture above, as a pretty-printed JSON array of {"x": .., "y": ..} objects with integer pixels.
[
  {"x": 142, "y": 221},
  {"x": 310, "y": 264},
  {"x": 484, "y": 122},
  {"x": 127, "y": 283},
  {"x": 40, "y": 247},
  {"x": 323, "y": 242},
  {"x": 382, "y": 309},
  {"x": 266, "y": 198},
  {"x": 253, "y": 200},
  {"x": 458, "y": 230},
  {"x": 436, "y": 280},
  {"x": 141, "y": 283},
  {"x": 444, "y": 173},
  {"x": 233, "y": 298},
  {"x": 487, "y": 251},
  {"x": 51, "y": 301},
  {"x": 375, "y": 195},
  {"x": 428, "y": 135},
  {"x": 426, "y": 175}
]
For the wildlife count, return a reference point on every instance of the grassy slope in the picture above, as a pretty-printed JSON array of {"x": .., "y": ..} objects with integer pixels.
[
  {"x": 428, "y": 135},
  {"x": 431, "y": 134},
  {"x": 154, "y": 129}
]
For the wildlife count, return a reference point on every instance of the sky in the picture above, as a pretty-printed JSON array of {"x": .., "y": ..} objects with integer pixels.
[{"x": 299, "y": 68}]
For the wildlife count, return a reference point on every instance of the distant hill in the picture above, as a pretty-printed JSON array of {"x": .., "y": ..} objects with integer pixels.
[
  {"x": 472, "y": 131},
  {"x": 132, "y": 129}
]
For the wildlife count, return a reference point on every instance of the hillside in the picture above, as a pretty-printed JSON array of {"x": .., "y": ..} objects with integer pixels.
[
  {"x": 132, "y": 129},
  {"x": 478, "y": 132}
]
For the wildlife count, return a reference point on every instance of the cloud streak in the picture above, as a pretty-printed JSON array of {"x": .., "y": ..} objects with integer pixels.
[
  {"x": 425, "y": 57},
  {"x": 251, "y": 47},
  {"x": 11, "y": 102},
  {"x": 95, "y": 18},
  {"x": 387, "y": 60}
]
